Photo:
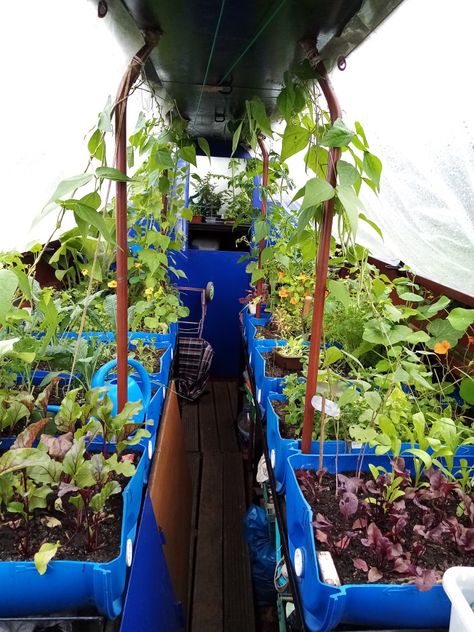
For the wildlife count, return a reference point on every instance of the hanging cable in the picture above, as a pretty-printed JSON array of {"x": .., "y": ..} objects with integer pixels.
[
  {"x": 209, "y": 59},
  {"x": 252, "y": 41}
]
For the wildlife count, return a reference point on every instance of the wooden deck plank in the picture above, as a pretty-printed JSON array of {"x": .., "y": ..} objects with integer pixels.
[
  {"x": 209, "y": 437},
  {"x": 238, "y": 596},
  {"x": 190, "y": 419},
  {"x": 225, "y": 418},
  {"x": 194, "y": 463},
  {"x": 207, "y": 611},
  {"x": 233, "y": 389}
]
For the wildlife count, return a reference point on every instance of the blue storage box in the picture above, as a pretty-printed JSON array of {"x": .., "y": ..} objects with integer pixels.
[
  {"x": 71, "y": 585},
  {"x": 326, "y": 606}
]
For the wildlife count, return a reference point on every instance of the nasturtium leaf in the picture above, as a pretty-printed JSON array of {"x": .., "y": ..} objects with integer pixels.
[
  {"x": 417, "y": 336},
  {"x": 441, "y": 330},
  {"x": 372, "y": 167},
  {"x": 110, "y": 173},
  {"x": 461, "y": 318},
  {"x": 46, "y": 553},
  {"x": 466, "y": 390},
  {"x": 295, "y": 138},
  {"x": 338, "y": 135},
  {"x": 427, "y": 311}
]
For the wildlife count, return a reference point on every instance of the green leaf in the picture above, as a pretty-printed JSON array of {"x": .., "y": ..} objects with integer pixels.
[
  {"x": 417, "y": 336},
  {"x": 373, "y": 168},
  {"x": 373, "y": 399},
  {"x": 45, "y": 555},
  {"x": 427, "y": 311},
  {"x": 285, "y": 101},
  {"x": 64, "y": 188},
  {"x": 466, "y": 390},
  {"x": 317, "y": 160},
  {"x": 360, "y": 131},
  {"x": 411, "y": 297},
  {"x": 236, "y": 137},
  {"x": 339, "y": 291},
  {"x": 96, "y": 145},
  {"x": 348, "y": 174},
  {"x": 164, "y": 159},
  {"x": 371, "y": 224},
  {"x": 422, "y": 455},
  {"x": 19, "y": 458},
  {"x": 352, "y": 205},
  {"x": 442, "y": 329},
  {"x": 331, "y": 355},
  {"x": 88, "y": 215},
  {"x": 461, "y": 318},
  {"x": 295, "y": 139},
  {"x": 338, "y": 135},
  {"x": 110, "y": 173},
  {"x": 204, "y": 145},
  {"x": 260, "y": 115},
  {"x": 261, "y": 229},
  {"x": 188, "y": 153},
  {"x": 316, "y": 192},
  {"x": 8, "y": 286}
]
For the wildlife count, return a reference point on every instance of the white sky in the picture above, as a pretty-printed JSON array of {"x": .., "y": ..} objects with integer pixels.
[{"x": 409, "y": 85}]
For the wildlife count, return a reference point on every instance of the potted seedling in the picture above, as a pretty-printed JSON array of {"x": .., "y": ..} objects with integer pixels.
[{"x": 206, "y": 202}]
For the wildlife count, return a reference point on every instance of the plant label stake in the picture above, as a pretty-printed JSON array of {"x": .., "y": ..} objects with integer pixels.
[{"x": 263, "y": 207}]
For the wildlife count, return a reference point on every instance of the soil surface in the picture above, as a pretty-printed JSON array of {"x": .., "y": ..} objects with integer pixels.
[
  {"x": 267, "y": 331},
  {"x": 286, "y": 430},
  {"x": 272, "y": 369},
  {"x": 438, "y": 557}
]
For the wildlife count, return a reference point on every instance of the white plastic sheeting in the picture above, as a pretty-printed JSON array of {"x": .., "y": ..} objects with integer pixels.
[
  {"x": 410, "y": 86},
  {"x": 59, "y": 64}
]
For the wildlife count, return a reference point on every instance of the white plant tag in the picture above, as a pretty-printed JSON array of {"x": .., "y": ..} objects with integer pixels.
[
  {"x": 328, "y": 570},
  {"x": 330, "y": 408}
]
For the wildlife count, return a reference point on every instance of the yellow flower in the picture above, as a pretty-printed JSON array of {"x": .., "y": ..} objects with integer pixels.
[
  {"x": 149, "y": 292},
  {"x": 283, "y": 293},
  {"x": 85, "y": 272},
  {"x": 137, "y": 265},
  {"x": 112, "y": 283},
  {"x": 442, "y": 347},
  {"x": 303, "y": 277},
  {"x": 293, "y": 300}
]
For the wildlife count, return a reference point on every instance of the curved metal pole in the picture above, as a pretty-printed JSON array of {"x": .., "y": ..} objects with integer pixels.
[
  {"x": 131, "y": 75},
  {"x": 321, "y": 269},
  {"x": 263, "y": 207}
]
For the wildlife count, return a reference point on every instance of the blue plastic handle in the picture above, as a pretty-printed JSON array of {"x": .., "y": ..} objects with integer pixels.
[{"x": 101, "y": 374}]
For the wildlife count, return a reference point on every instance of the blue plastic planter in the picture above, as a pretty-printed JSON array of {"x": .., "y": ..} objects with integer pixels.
[
  {"x": 71, "y": 585},
  {"x": 280, "y": 449},
  {"x": 248, "y": 320},
  {"x": 263, "y": 383},
  {"x": 325, "y": 606}
]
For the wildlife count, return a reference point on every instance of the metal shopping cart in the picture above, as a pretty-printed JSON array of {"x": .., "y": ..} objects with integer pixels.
[{"x": 194, "y": 357}]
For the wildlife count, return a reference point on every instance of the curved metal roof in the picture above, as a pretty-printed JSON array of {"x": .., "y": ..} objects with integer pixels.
[{"x": 215, "y": 54}]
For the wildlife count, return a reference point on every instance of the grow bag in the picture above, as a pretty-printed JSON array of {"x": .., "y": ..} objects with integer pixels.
[
  {"x": 74, "y": 585},
  {"x": 280, "y": 449},
  {"x": 326, "y": 606}
]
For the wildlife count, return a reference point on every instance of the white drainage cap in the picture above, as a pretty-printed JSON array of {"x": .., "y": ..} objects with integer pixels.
[
  {"x": 273, "y": 458},
  {"x": 129, "y": 552},
  {"x": 298, "y": 562},
  {"x": 150, "y": 450}
]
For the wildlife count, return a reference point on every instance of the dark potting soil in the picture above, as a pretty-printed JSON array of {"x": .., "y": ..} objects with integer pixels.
[
  {"x": 59, "y": 392},
  {"x": 267, "y": 331},
  {"x": 286, "y": 430},
  {"x": 438, "y": 557},
  {"x": 272, "y": 369},
  {"x": 152, "y": 360}
]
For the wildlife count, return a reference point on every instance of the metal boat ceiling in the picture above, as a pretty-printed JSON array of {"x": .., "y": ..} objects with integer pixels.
[{"x": 215, "y": 54}]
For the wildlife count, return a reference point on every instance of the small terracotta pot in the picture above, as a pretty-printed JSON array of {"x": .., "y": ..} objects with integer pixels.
[
  {"x": 290, "y": 363},
  {"x": 197, "y": 219}
]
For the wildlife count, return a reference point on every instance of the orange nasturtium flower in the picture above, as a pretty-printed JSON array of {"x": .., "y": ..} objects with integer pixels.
[
  {"x": 283, "y": 293},
  {"x": 112, "y": 283},
  {"x": 442, "y": 347},
  {"x": 280, "y": 274},
  {"x": 293, "y": 300}
]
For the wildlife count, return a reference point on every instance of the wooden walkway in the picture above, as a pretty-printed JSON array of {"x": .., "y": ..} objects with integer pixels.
[{"x": 220, "y": 592}]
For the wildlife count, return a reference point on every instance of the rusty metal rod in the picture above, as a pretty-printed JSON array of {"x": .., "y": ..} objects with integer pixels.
[
  {"x": 131, "y": 75},
  {"x": 263, "y": 208},
  {"x": 321, "y": 270}
]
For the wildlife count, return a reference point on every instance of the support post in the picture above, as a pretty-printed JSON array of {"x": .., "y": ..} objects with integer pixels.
[
  {"x": 321, "y": 271},
  {"x": 131, "y": 75},
  {"x": 263, "y": 208}
]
